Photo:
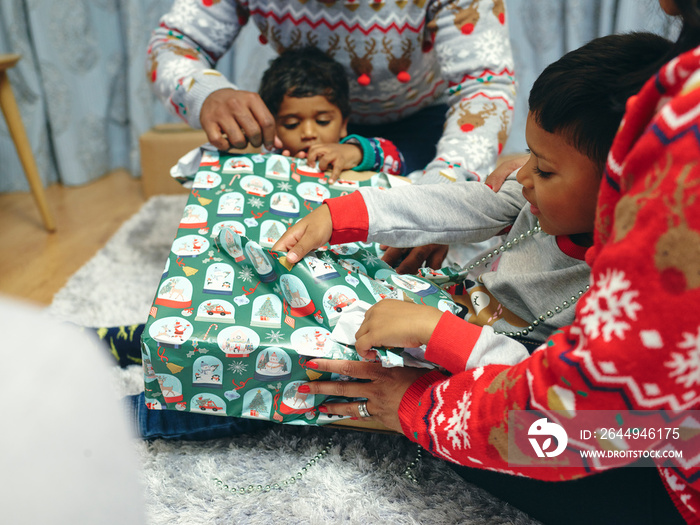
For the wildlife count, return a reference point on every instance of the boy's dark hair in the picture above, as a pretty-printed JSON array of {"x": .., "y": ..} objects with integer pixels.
[
  {"x": 305, "y": 72},
  {"x": 582, "y": 95}
]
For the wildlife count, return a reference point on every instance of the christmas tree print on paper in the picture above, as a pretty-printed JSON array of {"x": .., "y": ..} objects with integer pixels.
[
  {"x": 270, "y": 232},
  {"x": 257, "y": 404},
  {"x": 267, "y": 311},
  {"x": 277, "y": 168}
]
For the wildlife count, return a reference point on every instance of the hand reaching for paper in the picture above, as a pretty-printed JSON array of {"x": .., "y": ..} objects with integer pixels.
[
  {"x": 335, "y": 157},
  {"x": 309, "y": 233},
  {"x": 410, "y": 260},
  {"x": 235, "y": 119},
  {"x": 384, "y": 390},
  {"x": 394, "y": 323}
]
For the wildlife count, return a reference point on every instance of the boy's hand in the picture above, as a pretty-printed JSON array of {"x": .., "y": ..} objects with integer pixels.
[
  {"x": 410, "y": 260},
  {"x": 309, "y": 233},
  {"x": 391, "y": 322},
  {"x": 338, "y": 156}
]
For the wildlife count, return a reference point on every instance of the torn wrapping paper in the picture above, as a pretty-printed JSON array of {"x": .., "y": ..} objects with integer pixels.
[{"x": 349, "y": 323}]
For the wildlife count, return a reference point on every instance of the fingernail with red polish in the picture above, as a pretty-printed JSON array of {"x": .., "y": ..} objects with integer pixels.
[
  {"x": 323, "y": 409},
  {"x": 304, "y": 389},
  {"x": 311, "y": 364},
  {"x": 354, "y": 418},
  {"x": 487, "y": 184}
]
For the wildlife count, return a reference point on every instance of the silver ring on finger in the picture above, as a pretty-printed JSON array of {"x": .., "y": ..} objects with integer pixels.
[{"x": 362, "y": 409}]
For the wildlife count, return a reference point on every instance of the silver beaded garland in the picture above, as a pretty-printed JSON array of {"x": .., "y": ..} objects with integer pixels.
[
  {"x": 276, "y": 486},
  {"x": 549, "y": 313},
  {"x": 408, "y": 473}
]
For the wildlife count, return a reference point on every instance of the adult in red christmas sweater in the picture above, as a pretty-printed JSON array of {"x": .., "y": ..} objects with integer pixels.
[{"x": 632, "y": 349}]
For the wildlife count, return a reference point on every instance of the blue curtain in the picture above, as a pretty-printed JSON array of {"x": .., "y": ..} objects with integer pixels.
[
  {"x": 541, "y": 31},
  {"x": 84, "y": 98}
]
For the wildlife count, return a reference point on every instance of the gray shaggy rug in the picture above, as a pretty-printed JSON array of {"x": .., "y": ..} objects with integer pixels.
[{"x": 362, "y": 478}]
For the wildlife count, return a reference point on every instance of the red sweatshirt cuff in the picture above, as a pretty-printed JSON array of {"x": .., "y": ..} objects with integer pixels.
[
  {"x": 452, "y": 342},
  {"x": 350, "y": 218},
  {"x": 411, "y": 401}
]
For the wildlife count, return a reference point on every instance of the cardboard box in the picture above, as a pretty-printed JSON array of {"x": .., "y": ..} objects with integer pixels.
[{"x": 161, "y": 148}]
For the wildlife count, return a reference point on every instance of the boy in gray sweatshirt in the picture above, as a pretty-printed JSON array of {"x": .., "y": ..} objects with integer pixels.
[{"x": 527, "y": 286}]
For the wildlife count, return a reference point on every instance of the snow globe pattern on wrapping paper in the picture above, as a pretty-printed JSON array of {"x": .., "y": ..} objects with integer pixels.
[
  {"x": 219, "y": 279},
  {"x": 194, "y": 216},
  {"x": 277, "y": 167},
  {"x": 260, "y": 317},
  {"x": 273, "y": 364},
  {"x": 295, "y": 402},
  {"x": 216, "y": 310},
  {"x": 171, "y": 332},
  {"x": 175, "y": 292},
  {"x": 207, "y": 371},
  {"x": 270, "y": 232},
  {"x": 231, "y": 205},
  {"x": 236, "y": 226},
  {"x": 239, "y": 165},
  {"x": 170, "y": 387},
  {"x": 207, "y": 403},
  {"x": 261, "y": 262},
  {"x": 238, "y": 341},
  {"x": 190, "y": 246},
  {"x": 206, "y": 180},
  {"x": 266, "y": 311},
  {"x": 296, "y": 295},
  {"x": 257, "y": 404}
]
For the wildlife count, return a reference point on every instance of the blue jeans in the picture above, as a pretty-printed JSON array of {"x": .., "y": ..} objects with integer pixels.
[
  {"x": 415, "y": 136},
  {"x": 169, "y": 424}
]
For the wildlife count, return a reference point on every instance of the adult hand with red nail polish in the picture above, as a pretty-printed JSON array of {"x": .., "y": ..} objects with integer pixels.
[{"x": 383, "y": 391}]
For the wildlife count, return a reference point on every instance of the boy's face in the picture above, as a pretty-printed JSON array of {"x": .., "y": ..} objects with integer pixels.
[
  {"x": 303, "y": 122},
  {"x": 560, "y": 183}
]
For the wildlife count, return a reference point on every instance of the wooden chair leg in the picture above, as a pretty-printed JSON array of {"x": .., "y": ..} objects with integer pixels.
[{"x": 24, "y": 150}]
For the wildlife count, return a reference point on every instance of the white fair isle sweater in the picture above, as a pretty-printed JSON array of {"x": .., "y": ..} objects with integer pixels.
[{"x": 400, "y": 56}]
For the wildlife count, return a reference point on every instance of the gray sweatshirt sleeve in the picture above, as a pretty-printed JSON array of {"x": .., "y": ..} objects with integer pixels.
[{"x": 441, "y": 213}]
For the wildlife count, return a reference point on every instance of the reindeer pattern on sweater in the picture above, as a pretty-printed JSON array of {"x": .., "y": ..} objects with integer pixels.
[{"x": 400, "y": 56}]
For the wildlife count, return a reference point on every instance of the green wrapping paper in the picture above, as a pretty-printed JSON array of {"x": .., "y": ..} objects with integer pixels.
[{"x": 233, "y": 323}]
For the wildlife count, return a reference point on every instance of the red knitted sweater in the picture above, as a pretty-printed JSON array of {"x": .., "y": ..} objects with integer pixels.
[{"x": 635, "y": 343}]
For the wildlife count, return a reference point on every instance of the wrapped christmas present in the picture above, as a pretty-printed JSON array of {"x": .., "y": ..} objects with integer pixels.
[{"x": 233, "y": 323}]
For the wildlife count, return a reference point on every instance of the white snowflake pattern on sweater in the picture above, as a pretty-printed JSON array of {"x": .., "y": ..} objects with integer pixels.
[
  {"x": 609, "y": 306},
  {"x": 686, "y": 365}
]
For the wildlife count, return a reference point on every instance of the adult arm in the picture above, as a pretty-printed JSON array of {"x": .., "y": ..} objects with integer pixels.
[
  {"x": 182, "y": 53},
  {"x": 473, "y": 48}
]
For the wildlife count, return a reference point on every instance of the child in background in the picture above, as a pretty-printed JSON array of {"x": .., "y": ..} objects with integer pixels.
[
  {"x": 527, "y": 287},
  {"x": 308, "y": 94}
]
